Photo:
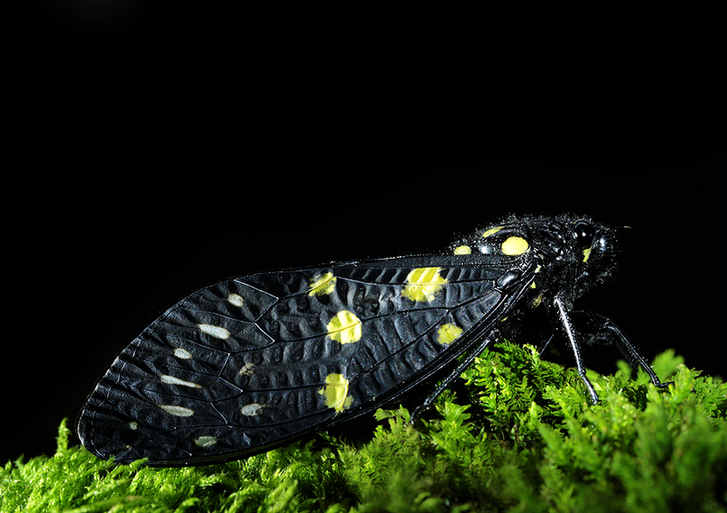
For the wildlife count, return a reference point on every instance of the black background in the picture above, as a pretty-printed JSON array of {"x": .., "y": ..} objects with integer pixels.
[{"x": 150, "y": 165}]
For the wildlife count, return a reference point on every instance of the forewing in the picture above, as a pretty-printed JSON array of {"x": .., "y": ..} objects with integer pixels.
[{"x": 251, "y": 363}]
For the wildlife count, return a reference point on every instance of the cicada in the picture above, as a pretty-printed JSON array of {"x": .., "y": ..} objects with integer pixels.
[{"x": 257, "y": 361}]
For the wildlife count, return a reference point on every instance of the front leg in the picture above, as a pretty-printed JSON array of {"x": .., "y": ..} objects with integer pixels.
[
  {"x": 565, "y": 323},
  {"x": 601, "y": 325},
  {"x": 543, "y": 346}
]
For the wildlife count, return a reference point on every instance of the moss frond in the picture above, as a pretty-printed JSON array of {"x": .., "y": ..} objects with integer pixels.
[{"x": 527, "y": 441}]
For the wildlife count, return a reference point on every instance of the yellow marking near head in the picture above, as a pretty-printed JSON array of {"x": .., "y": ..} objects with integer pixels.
[
  {"x": 491, "y": 231},
  {"x": 336, "y": 392},
  {"x": 324, "y": 284},
  {"x": 463, "y": 250},
  {"x": 538, "y": 299},
  {"x": 345, "y": 327},
  {"x": 448, "y": 333},
  {"x": 515, "y": 246},
  {"x": 423, "y": 283},
  {"x": 586, "y": 254},
  {"x": 532, "y": 285}
]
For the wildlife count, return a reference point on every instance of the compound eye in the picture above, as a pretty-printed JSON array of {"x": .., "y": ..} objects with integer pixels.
[{"x": 583, "y": 234}]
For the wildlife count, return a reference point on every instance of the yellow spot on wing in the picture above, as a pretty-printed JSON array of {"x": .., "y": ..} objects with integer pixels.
[
  {"x": 324, "y": 284},
  {"x": 179, "y": 411},
  {"x": 448, "y": 333},
  {"x": 252, "y": 409},
  {"x": 214, "y": 331},
  {"x": 462, "y": 250},
  {"x": 205, "y": 441},
  {"x": 586, "y": 254},
  {"x": 247, "y": 369},
  {"x": 515, "y": 246},
  {"x": 171, "y": 380},
  {"x": 236, "y": 299},
  {"x": 423, "y": 283},
  {"x": 491, "y": 231},
  {"x": 336, "y": 392},
  {"x": 182, "y": 353},
  {"x": 345, "y": 327}
]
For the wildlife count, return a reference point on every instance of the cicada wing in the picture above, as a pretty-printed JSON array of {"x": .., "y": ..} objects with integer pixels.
[{"x": 254, "y": 362}]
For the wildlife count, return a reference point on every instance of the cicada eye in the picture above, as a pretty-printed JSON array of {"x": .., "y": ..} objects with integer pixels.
[{"x": 583, "y": 234}]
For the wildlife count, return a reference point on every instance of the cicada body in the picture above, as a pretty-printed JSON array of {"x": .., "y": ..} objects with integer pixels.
[{"x": 254, "y": 362}]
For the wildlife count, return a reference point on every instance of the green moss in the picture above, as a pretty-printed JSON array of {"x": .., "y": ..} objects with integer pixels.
[{"x": 527, "y": 441}]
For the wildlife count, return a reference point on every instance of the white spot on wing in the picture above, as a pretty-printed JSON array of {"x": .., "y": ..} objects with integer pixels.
[
  {"x": 179, "y": 411},
  {"x": 252, "y": 409},
  {"x": 247, "y": 369},
  {"x": 214, "y": 331},
  {"x": 236, "y": 299},
  {"x": 182, "y": 353},
  {"x": 205, "y": 441},
  {"x": 133, "y": 425},
  {"x": 171, "y": 380}
]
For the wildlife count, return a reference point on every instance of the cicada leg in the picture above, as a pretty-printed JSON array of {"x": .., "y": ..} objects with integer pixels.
[
  {"x": 605, "y": 330},
  {"x": 567, "y": 326}
]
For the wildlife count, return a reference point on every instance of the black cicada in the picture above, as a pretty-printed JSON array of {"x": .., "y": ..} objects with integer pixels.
[{"x": 255, "y": 362}]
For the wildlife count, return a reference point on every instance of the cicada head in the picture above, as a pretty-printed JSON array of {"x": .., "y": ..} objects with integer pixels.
[
  {"x": 597, "y": 248},
  {"x": 580, "y": 251}
]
